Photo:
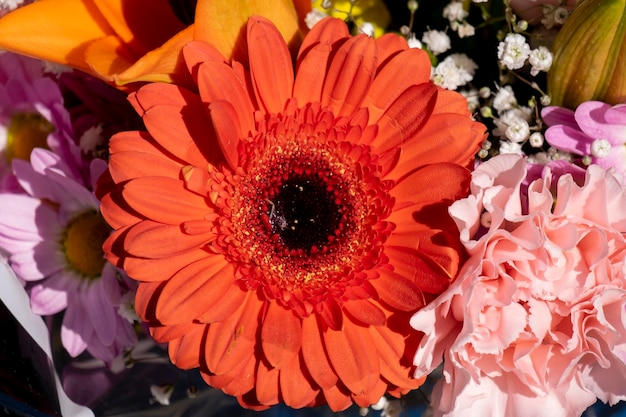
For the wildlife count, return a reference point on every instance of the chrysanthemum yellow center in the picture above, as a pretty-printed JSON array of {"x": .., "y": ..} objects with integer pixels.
[
  {"x": 306, "y": 218},
  {"x": 27, "y": 131},
  {"x": 83, "y": 244}
]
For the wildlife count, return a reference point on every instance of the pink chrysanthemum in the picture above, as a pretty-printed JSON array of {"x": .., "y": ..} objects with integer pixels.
[
  {"x": 32, "y": 115},
  {"x": 535, "y": 323},
  {"x": 53, "y": 235}
]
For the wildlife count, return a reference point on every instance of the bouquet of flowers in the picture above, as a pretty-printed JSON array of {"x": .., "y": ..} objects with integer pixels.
[{"x": 311, "y": 207}]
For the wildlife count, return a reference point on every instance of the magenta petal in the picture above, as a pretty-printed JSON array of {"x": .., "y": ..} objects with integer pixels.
[
  {"x": 591, "y": 117},
  {"x": 111, "y": 285},
  {"x": 554, "y": 115},
  {"x": 569, "y": 139}
]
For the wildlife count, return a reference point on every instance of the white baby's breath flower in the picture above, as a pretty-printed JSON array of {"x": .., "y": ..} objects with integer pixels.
[
  {"x": 162, "y": 393},
  {"x": 518, "y": 130},
  {"x": 540, "y": 59},
  {"x": 454, "y": 11},
  {"x": 560, "y": 15},
  {"x": 510, "y": 147},
  {"x": 313, "y": 17},
  {"x": 367, "y": 28},
  {"x": 472, "y": 97},
  {"x": 414, "y": 42},
  {"x": 510, "y": 117},
  {"x": 600, "y": 148},
  {"x": 454, "y": 71},
  {"x": 437, "y": 41},
  {"x": 536, "y": 140},
  {"x": 10, "y": 4},
  {"x": 90, "y": 140},
  {"x": 504, "y": 99},
  {"x": 465, "y": 30},
  {"x": 513, "y": 51}
]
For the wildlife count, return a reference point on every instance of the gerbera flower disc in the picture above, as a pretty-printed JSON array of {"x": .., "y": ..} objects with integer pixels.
[{"x": 284, "y": 228}]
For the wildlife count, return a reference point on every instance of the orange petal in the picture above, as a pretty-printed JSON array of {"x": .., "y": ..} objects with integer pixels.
[
  {"x": 389, "y": 45},
  {"x": 244, "y": 380},
  {"x": 270, "y": 65},
  {"x": 163, "y": 64},
  {"x": 430, "y": 184},
  {"x": 231, "y": 341},
  {"x": 160, "y": 269},
  {"x": 194, "y": 290},
  {"x": 314, "y": 355},
  {"x": 445, "y": 138},
  {"x": 403, "y": 119},
  {"x": 365, "y": 312},
  {"x": 281, "y": 335},
  {"x": 155, "y": 94},
  {"x": 116, "y": 212},
  {"x": 353, "y": 356},
  {"x": 164, "y": 200},
  {"x": 228, "y": 304},
  {"x": 166, "y": 333},
  {"x": 338, "y": 399},
  {"x": 129, "y": 165},
  {"x": 146, "y": 299},
  {"x": 227, "y": 127},
  {"x": 182, "y": 131},
  {"x": 222, "y": 24},
  {"x": 185, "y": 351},
  {"x": 218, "y": 81},
  {"x": 149, "y": 239},
  {"x": 428, "y": 275},
  {"x": 329, "y": 31},
  {"x": 407, "y": 68},
  {"x": 365, "y": 399},
  {"x": 295, "y": 384},
  {"x": 398, "y": 291},
  {"x": 394, "y": 366},
  {"x": 350, "y": 75},
  {"x": 71, "y": 23},
  {"x": 267, "y": 387}
]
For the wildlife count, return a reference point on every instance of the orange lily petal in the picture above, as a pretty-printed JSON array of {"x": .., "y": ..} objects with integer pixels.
[
  {"x": 73, "y": 24},
  {"x": 142, "y": 24},
  {"x": 222, "y": 24},
  {"x": 163, "y": 64}
]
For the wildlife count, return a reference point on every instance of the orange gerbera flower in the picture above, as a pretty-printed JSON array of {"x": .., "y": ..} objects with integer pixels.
[
  {"x": 284, "y": 229},
  {"x": 125, "y": 41}
]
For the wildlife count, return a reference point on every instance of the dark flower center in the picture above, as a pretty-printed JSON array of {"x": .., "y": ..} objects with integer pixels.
[{"x": 305, "y": 213}]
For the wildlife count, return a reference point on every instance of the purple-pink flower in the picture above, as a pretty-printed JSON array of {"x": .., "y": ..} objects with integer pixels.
[
  {"x": 595, "y": 131},
  {"x": 53, "y": 235},
  {"x": 535, "y": 323},
  {"x": 32, "y": 114}
]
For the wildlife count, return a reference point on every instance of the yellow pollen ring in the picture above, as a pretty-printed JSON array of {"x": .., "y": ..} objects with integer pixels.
[
  {"x": 26, "y": 132},
  {"x": 83, "y": 244}
]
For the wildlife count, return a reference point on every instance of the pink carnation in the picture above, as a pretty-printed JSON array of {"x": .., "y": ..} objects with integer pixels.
[{"x": 535, "y": 322}]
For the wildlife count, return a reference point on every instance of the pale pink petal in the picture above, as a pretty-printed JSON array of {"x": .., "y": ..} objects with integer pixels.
[{"x": 76, "y": 332}]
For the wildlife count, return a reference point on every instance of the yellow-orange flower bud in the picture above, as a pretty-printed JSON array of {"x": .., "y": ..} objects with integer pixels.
[{"x": 590, "y": 55}]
